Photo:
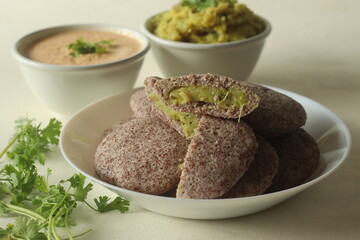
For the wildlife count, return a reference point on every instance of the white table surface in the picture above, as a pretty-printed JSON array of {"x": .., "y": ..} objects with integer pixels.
[{"x": 314, "y": 50}]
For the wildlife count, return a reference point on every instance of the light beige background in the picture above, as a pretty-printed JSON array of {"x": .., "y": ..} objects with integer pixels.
[{"x": 314, "y": 50}]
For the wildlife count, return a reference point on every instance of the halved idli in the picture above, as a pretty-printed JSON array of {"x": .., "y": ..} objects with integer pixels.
[
  {"x": 209, "y": 94},
  {"x": 183, "y": 122},
  {"x": 217, "y": 157}
]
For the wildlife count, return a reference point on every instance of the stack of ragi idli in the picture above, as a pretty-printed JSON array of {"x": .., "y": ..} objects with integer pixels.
[{"x": 208, "y": 136}]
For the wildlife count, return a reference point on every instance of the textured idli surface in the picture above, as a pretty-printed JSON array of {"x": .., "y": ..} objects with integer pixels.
[
  {"x": 277, "y": 113},
  {"x": 142, "y": 155},
  {"x": 299, "y": 156},
  {"x": 163, "y": 87},
  {"x": 116, "y": 125},
  {"x": 260, "y": 174},
  {"x": 217, "y": 157},
  {"x": 140, "y": 105}
]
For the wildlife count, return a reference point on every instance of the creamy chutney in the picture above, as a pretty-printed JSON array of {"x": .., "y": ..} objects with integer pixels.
[{"x": 54, "y": 49}]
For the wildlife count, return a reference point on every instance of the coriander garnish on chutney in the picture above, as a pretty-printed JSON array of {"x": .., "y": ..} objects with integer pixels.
[{"x": 80, "y": 46}]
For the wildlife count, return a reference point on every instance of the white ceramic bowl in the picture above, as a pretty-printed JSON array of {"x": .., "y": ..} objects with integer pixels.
[
  {"x": 82, "y": 133},
  {"x": 233, "y": 59},
  {"x": 66, "y": 89}
]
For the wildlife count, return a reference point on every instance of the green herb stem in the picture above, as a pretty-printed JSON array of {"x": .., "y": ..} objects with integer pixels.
[
  {"x": 25, "y": 212},
  {"x": 67, "y": 226},
  {"x": 13, "y": 141},
  {"x": 52, "y": 231},
  {"x": 52, "y": 219},
  {"x": 79, "y": 235},
  {"x": 97, "y": 210}
]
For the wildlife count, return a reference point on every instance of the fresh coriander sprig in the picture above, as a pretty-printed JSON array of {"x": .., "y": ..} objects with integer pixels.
[
  {"x": 80, "y": 46},
  {"x": 28, "y": 146},
  {"x": 43, "y": 207}
]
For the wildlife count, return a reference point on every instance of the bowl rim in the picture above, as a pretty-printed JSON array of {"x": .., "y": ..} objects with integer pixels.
[
  {"x": 90, "y": 26},
  {"x": 200, "y": 46}
]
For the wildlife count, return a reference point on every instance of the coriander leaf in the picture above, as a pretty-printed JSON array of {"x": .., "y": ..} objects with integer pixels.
[
  {"x": 6, "y": 232},
  {"x": 30, "y": 142},
  {"x": 81, "y": 192},
  {"x": 51, "y": 132},
  {"x": 80, "y": 46},
  {"x": 77, "y": 182},
  {"x": 23, "y": 180},
  {"x": 20, "y": 182},
  {"x": 118, "y": 203},
  {"x": 3, "y": 209},
  {"x": 28, "y": 229},
  {"x": 41, "y": 182},
  {"x": 45, "y": 208},
  {"x": 200, "y": 4},
  {"x": 4, "y": 188},
  {"x": 203, "y": 4}
]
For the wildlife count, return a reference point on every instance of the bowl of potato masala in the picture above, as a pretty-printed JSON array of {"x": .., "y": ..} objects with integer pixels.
[
  {"x": 70, "y": 66},
  {"x": 217, "y": 36}
]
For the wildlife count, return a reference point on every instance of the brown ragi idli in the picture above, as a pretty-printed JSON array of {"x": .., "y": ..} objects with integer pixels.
[
  {"x": 299, "y": 156},
  {"x": 217, "y": 157},
  {"x": 163, "y": 88},
  {"x": 260, "y": 174},
  {"x": 184, "y": 123},
  {"x": 112, "y": 128},
  {"x": 142, "y": 155},
  {"x": 277, "y": 113},
  {"x": 140, "y": 105}
]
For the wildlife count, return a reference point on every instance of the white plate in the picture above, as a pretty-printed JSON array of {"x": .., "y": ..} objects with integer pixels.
[{"x": 81, "y": 135}]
